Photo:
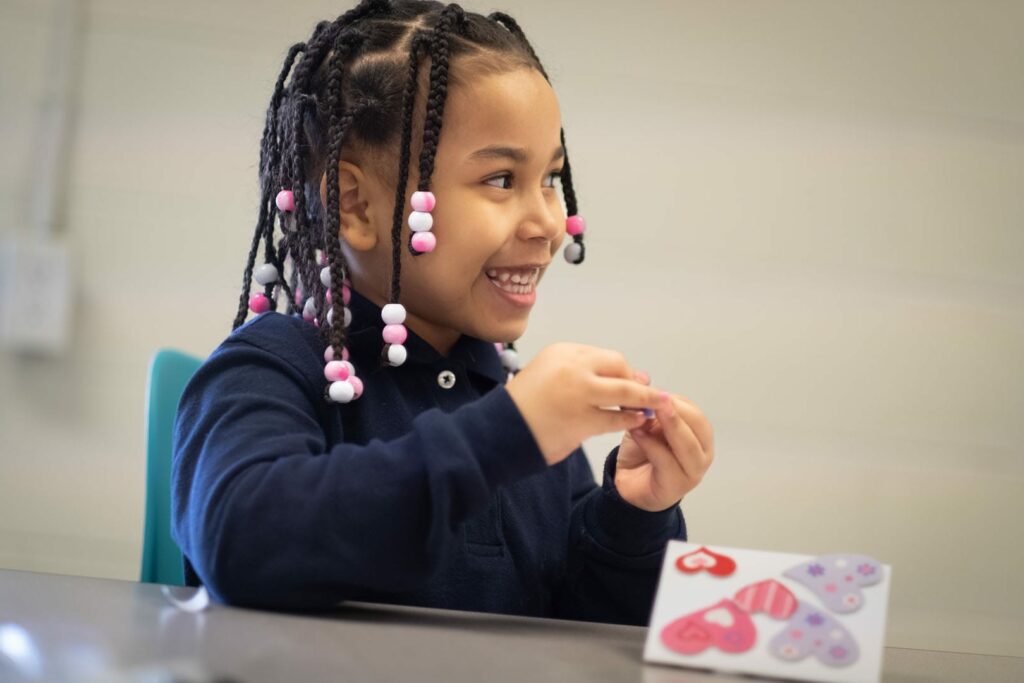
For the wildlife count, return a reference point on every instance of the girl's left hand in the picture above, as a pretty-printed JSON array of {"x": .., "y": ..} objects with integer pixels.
[{"x": 662, "y": 460}]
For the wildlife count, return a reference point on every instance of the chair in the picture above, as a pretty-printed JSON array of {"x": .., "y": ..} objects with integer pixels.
[{"x": 169, "y": 372}]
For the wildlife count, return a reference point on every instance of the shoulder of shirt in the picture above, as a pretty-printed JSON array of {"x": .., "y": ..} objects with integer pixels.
[{"x": 290, "y": 338}]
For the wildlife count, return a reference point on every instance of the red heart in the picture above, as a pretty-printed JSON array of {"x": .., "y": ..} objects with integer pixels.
[
  {"x": 702, "y": 558},
  {"x": 767, "y": 596},
  {"x": 723, "y": 625}
]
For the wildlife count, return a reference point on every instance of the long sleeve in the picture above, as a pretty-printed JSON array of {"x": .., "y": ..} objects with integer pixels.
[
  {"x": 615, "y": 550},
  {"x": 270, "y": 516}
]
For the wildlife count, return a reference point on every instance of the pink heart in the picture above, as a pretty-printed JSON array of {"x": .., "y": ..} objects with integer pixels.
[{"x": 723, "y": 625}]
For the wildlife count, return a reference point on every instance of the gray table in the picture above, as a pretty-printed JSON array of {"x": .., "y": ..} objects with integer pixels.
[{"x": 83, "y": 629}]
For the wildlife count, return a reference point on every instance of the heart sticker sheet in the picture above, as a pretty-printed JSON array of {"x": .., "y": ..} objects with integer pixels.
[{"x": 801, "y": 617}]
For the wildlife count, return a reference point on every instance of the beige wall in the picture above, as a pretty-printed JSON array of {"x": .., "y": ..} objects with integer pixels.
[{"x": 806, "y": 216}]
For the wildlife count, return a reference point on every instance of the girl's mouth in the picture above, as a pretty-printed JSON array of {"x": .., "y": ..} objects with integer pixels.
[{"x": 517, "y": 285}]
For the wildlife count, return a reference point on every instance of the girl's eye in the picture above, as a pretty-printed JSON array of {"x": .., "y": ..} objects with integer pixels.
[{"x": 508, "y": 176}]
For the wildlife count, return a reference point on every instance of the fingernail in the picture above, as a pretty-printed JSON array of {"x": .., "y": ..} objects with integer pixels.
[{"x": 664, "y": 396}]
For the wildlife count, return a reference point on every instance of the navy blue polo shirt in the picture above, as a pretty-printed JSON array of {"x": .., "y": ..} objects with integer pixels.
[{"x": 429, "y": 490}]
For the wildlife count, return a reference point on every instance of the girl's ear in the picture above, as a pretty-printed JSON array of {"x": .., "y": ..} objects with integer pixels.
[{"x": 356, "y": 227}]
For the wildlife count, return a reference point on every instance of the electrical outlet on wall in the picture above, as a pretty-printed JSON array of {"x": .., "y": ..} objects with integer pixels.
[{"x": 35, "y": 287}]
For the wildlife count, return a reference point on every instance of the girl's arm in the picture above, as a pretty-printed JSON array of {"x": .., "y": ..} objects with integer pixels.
[
  {"x": 615, "y": 550},
  {"x": 268, "y": 516}
]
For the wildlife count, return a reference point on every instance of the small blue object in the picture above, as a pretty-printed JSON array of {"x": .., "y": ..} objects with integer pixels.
[
  {"x": 649, "y": 413},
  {"x": 169, "y": 372}
]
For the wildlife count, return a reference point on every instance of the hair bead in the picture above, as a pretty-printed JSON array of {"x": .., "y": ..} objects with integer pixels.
[
  {"x": 342, "y": 391},
  {"x": 395, "y": 334},
  {"x": 259, "y": 303},
  {"x": 393, "y": 314},
  {"x": 266, "y": 274},
  {"x": 573, "y": 252},
  {"x": 420, "y": 221},
  {"x": 424, "y": 242},
  {"x": 336, "y": 370},
  {"x": 575, "y": 225},
  {"x": 397, "y": 354},
  {"x": 423, "y": 201},
  {"x": 285, "y": 200}
]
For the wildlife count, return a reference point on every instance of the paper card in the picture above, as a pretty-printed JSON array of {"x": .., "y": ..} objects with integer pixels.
[{"x": 782, "y": 615}]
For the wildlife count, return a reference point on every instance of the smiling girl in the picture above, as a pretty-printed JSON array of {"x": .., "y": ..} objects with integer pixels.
[{"x": 377, "y": 440}]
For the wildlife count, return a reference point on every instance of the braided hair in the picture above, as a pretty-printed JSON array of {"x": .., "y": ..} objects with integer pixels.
[{"x": 356, "y": 81}]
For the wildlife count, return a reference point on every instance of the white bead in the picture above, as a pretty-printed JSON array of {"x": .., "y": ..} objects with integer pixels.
[
  {"x": 420, "y": 221},
  {"x": 393, "y": 314},
  {"x": 573, "y": 251},
  {"x": 509, "y": 359},
  {"x": 397, "y": 354},
  {"x": 266, "y": 274},
  {"x": 325, "y": 276},
  {"x": 309, "y": 309},
  {"x": 342, "y": 391},
  {"x": 347, "y": 318}
]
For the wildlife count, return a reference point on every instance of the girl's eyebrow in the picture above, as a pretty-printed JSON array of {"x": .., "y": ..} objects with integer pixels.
[{"x": 518, "y": 155}]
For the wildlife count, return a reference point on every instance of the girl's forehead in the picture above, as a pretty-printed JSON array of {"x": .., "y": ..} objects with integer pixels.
[{"x": 517, "y": 107}]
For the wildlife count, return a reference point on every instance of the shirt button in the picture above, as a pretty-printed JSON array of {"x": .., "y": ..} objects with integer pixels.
[{"x": 446, "y": 379}]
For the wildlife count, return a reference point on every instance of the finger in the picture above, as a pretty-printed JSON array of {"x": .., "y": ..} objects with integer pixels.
[
  {"x": 608, "y": 363},
  {"x": 606, "y": 392},
  {"x": 681, "y": 439},
  {"x": 697, "y": 421},
  {"x": 665, "y": 464}
]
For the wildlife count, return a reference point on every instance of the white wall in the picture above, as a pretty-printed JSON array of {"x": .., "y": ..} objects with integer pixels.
[{"x": 806, "y": 216}]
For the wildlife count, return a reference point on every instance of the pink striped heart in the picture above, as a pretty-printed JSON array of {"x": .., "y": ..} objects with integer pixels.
[{"x": 768, "y": 596}]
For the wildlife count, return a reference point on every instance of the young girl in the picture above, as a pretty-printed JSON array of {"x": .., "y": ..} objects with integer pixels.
[{"x": 376, "y": 441}]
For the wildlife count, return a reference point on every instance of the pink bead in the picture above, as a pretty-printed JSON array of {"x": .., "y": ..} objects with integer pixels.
[
  {"x": 395, "y": 334},
  {"x": 357, "y": 384},
  {"x": 424, "y": 242},
  {"x": 344, "y": 353},
  {"x": 259, "y": 303},
  {"x": 285, "y": 200},
  {"x": 575, "y": 225},
  {"x": 346, "y": 295},
  {"x": 499, "y": 347},
  {"x": 423, "y": 201},
  {"x": 336, "y": 370},
  {"x": 327, "y": 294},
  {"x": 298, "y": 296}
]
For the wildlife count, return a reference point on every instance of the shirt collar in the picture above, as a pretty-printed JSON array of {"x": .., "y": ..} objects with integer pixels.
[{"x": 364, "y": 340}]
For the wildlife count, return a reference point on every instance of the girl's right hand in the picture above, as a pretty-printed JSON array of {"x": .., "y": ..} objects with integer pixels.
[{"x": 564, "y": 392}]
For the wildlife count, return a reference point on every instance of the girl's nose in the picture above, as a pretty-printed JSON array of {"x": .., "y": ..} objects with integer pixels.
[{"x": 541, "y": 218}]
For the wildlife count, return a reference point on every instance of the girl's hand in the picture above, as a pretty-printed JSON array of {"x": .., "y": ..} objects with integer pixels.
[
  {"x": 564, "y": 394},
  {"x": 663, "y": 460}
]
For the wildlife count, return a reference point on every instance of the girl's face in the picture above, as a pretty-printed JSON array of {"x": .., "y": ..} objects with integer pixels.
[{"x": 498, "y": 211}]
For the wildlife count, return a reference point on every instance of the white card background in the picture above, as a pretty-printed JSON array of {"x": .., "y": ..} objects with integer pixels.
[{"x": 680, "y": 594}]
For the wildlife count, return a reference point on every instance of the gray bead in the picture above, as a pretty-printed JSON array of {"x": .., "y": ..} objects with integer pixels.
[
  {"x": 573, "y": 252},
  {"x": 266, "y": 274}
]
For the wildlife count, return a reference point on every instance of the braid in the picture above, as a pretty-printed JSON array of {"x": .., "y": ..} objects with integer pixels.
[
  {"x": 567, "y": 188},
  {"x": 409, "y": 100},
  {"x": 438, "y": 92},
  {"x": 339, "y": 123},
  {"x": 268, "y": 151}
]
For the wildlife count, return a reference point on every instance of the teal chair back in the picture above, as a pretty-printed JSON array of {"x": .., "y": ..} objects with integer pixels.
[{"x": 169, "y": 372}]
